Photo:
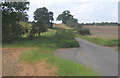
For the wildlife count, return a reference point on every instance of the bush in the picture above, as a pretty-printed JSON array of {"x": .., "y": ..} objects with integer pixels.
[
  {"x": 65, "y": 39},
  {"x": 84, "y": 31},
  {"x": 68, "y": 44},
  {"x": 64, "y": 34}
]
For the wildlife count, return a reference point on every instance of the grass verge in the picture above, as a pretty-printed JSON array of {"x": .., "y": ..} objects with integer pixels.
[
  {"x": 103, "y": 42},
  {"x": 64, "y": 67}
]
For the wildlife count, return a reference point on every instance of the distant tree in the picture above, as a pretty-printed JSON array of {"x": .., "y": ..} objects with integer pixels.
[
  {"x": 72, "y": 22},
  {"x": 68, "y": 19},
  {"x": 43, "y": 20},
  {"x": 64, "y": 16},
  {"x": 84, "y": 31},
  {"x": 12, "y": 14},
  {"x": 93, "y": 23}
]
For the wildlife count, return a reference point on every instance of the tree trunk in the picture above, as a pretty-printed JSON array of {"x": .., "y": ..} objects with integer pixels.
[{"x": 39, "y": 33}]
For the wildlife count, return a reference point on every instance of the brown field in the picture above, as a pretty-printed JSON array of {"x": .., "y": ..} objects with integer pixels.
[{"x": 107, "y": 32}]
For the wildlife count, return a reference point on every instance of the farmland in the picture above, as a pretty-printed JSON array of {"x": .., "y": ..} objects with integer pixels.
[
  {"x": 107, "y": 32},
  {"x": 39, "y": 46},
  {"x": 35, "y": 57},
  {"x": 103, "y": 35}
]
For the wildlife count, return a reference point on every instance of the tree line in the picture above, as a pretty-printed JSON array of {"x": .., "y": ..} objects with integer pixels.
[
  {"x": 101, "y": 24},
  {"x": 12, "y": 14},
  {"x": 15, "y": 22}
]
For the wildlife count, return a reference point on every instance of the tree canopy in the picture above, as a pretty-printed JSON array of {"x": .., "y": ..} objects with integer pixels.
[
  {"x": 12, "y": 14},
  {"x": 68, "y": 19},
  {"x": 72, "y": 22},
  {"x": 42, "y": 20},
  {"x": 64, "y": 16}
]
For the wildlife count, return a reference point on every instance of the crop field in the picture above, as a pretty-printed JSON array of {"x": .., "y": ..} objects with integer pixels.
[{"x": 106, "y": 32}]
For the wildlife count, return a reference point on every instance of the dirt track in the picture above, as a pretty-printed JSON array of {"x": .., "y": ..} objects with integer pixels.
[{"x": 11, "y": 66}]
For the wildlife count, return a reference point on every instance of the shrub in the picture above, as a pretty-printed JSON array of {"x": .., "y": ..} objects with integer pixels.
[
  {"x": 64, "y": 34},
  {"x": 84, "y": 31},
  {"x": 68, "y": 44},
  {"x": 65, "y": 39}
]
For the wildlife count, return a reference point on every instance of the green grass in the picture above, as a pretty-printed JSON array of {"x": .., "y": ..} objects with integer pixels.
[
  {"x": 64, "y": 67},
  {"x": 103, "y": 42},
  {"x": 47, "y": 44},
  {"x": 33, "y": 56},
  {"x": 50, "y": 39}
]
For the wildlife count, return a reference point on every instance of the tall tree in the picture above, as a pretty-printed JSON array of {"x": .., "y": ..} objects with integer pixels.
[
  {"x": 68, "y": 19},
  {"x": 72, "y": 22},
  {"x": 43, "y": 19},
  {"x": 64, "y": 16},
  {"x": 12, "y": 14}
]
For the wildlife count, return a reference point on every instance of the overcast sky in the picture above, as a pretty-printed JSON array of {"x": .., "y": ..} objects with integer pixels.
[{"x": 83, "y": 10}]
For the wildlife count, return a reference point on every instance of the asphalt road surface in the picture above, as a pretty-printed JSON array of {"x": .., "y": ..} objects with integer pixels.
[{"x": 102, "y": 60}]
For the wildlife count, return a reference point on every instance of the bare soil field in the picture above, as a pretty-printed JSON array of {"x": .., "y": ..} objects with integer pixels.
[
  {"x": 107, "y": 32},
  {"x": 12, "y": 66}
]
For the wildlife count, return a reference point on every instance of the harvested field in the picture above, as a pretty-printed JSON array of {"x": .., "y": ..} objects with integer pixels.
[{"x": 107, "y": 32}]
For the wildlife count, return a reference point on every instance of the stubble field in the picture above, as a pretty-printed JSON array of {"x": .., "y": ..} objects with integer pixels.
[{"x": 106, "y": 32}]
